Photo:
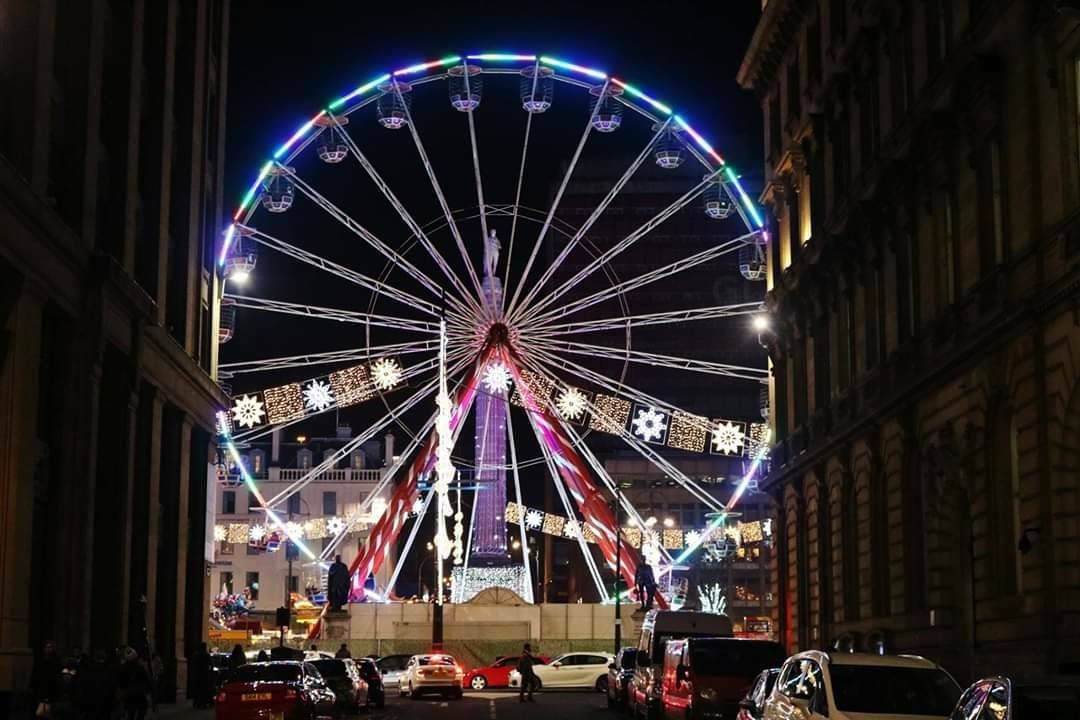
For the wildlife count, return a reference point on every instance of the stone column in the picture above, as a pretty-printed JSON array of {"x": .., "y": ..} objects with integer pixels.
[
  {"x": 152, "y": 478},
  {"x": 181, "y": 540}
]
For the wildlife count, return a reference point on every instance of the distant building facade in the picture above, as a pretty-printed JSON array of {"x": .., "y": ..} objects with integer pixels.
[
  {"x": 923, "y": 181},
  {"x": 111, "y": 152}
]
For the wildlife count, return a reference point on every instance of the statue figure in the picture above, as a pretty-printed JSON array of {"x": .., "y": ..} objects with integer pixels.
[
  {"x": 491, "y": 253},
  {"x": 337, "y": 584}
]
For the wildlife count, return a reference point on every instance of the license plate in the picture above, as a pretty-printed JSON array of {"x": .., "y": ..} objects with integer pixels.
[{"x": 254, "y": 697}]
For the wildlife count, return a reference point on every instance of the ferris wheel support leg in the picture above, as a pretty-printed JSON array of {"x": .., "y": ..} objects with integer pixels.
[
  {"x": 555, "y": 203},
  {"x": 517, "y": 499}
]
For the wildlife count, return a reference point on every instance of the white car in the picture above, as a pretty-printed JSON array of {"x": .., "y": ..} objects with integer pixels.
[
  {"x": 434, "y": 672},
  {"x": 572, "y": 670},
  {"x": 813, "y": 685}
]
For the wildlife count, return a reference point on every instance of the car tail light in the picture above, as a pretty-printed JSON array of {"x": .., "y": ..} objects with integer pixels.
[
  {"x": 221, "y": 696},
  {"x": 291, "y": 694}
]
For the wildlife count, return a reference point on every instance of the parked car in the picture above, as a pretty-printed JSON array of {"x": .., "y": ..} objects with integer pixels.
[
  {"x": 343, "y": 677},
  {"x": 849, "y": 686},
  {"x": 658, "y": 627},
  {"x": 497, "y": 674},
  {"x": 435, "y": 672},
  {"x": 1000, "y": 698},
  {"x": 286, "y": 690},
  {"x": 392, "y": 668},
  {"x": 707, "y": 677},
  {"x": 619, "y": 674},
  {"x": 753, "y": 705},
  {"x": 370, "y": 672},
  {"x": 572, "y": 670}
]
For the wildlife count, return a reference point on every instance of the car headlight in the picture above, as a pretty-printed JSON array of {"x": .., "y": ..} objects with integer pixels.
[{"x": 708, "y": 694}]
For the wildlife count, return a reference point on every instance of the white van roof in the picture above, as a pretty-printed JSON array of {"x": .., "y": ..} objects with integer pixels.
[{"x": 689, "y": 622}]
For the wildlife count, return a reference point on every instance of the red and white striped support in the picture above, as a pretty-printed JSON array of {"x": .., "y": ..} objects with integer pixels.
[{"x": 588, "y": 497}]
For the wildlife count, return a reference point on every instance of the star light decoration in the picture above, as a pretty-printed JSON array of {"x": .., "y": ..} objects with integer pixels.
[
  {"x": 294, "y": 530},
  {"x": 650, "y": 424},
  {"x": 318, "y": 396},
  {"x": 534, "y": 519},
  {"x": 335, "y": 525},
  {"x": 256, "y": 533},
  {"x": 247, "y": 411},
  {"x": 497, "y": 378},
  {"x": 571, "y": 529},
  {"x": 572, "y": 404},
  {"x": 386, "y": 373},
  {"x": 728, "y": 438},
  {"x": 219, "y": 533}
]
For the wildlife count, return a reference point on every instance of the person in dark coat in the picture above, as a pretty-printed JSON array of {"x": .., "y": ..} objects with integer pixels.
[
  {"x": 262, "y": 656},
  {"x": 85, "y": 688},
  {"x": 45, "y": 680},
  {"x": 528, "y": 677},
  {"x": 135, "y": 685},
  {"x": 199, "y": 678},
  {"x": 337, "y": 584},
  {"x": 648, "y": 582},
  {"x": 343, "y": 652},
  {"x": 237, "y": 657}
]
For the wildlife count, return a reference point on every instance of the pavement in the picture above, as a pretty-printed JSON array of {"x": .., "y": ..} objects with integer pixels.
[{"x": 476, "y": 705}]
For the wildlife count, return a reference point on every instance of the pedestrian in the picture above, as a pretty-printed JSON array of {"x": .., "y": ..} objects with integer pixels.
[
  {"x": 648, "y": 580},
  {"x": 343, "y": 652},
  {"x": 45, "y": 680},
  {"x": 237, "y": 657},
  {"x": 135, "y": 685},
  {"x": 528, "y": 677},
  {"x": 199, "y": 678},
  {"x": 157, "y": 670},
  {"x": 262, "y": 656},
  {"x": 85, "y": 688},
  {"x": 639, "y": 585}
]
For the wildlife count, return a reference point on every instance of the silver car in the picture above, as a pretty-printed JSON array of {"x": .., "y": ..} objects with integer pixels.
[
  {"x": 432, "y": 672},
  {"x": 392, "y": 668}
]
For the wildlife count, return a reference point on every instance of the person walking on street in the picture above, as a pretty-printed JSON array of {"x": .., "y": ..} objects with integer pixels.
[
  {"x": 262, "y": 657},
  {"x": 343, "y": 652},
  {"x": 237, "y": 657},
  {"x": 648, "y": 586},
  {"x": 528, "y": 677}
]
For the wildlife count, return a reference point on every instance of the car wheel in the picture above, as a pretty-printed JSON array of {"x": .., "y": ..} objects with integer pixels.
[
  {"x": 479, "y": 682},
  {"x": 601, "y": 684}
]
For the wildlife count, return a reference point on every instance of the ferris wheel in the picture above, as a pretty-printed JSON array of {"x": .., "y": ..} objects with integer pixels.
[{"x": 489, "y": 305}]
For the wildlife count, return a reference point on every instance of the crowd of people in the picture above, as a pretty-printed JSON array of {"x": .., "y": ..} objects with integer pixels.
[{"x": 120, "y": 684}]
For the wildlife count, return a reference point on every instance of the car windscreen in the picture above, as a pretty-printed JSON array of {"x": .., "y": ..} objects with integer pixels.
[
  {"x": 893, "y": 690},
  {"x": 743, "y": 658},
  {"x": 331, "y": 668},
  {"x": 436, "y": 660},
  {"x": 264, "y": 673},
  {"x": 1046, "y": 703}
]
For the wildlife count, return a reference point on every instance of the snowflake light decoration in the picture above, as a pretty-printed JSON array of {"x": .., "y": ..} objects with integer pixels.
[
  {"x": 497, "y": 378},
  {"x": 386, "y": 373},
  {"x": 335, "y": 525},
  {"x": 418, "y": 506},
  {"x": 294, "y": 530},
  {"x": 571, "y": 529},
  {"x": 534, "y": 519},
  {"x": 318, "y": 396},
  {"x": 248, "y": 411},
  {"x": 219, "y": 533},
  {"x": 256, "y": 533},
  {"x": 692, "y": 538},
  {"x": 572, "y": 403},
  {"x": 649, "y": 424},
  {"x": 728, "y": 438}
]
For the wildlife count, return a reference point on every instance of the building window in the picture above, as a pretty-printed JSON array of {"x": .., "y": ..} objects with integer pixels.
[
  {"x": 227, "y": 583},
  {"x": 946, "y": 261},
  {"x": 329, "y": 503},
  {"x": 303, "y": 459},
  {"x": 253, "y": 550},
  {"x": 997, "y": 200},
  {"x": 843, "y": 344},
  {"x": 292, "y": 584},
  {"x": 225, "y": 548},
  {"x": 228, "y": 502},
  {"x": 252, "y": 584},
  {"x": 293, "y": 504},
  {"x": 793, "y": 108},
  {"x": 253, "y": 502},
  {"x": 870, "y": 317},
  {"x": 258, "y": 463}
]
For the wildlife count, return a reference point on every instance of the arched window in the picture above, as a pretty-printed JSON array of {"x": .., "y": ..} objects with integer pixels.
[{"x": 303, "y": 459}]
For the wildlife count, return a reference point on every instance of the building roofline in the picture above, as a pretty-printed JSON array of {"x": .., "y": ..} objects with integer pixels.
[{"x": 762, "y": 41}]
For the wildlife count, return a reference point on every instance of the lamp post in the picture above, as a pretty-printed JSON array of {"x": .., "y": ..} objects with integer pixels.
[{"x": 618, "y": 567}]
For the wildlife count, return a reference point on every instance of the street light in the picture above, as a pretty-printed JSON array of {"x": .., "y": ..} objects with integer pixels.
[
  {"x": 669, "y": 522},
  {"x": 761, "y": 323},
  {"x": 516, "y": 544}
]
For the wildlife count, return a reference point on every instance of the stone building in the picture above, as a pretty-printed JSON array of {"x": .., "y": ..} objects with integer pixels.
[
  {"x": 111, "y": 152},
  {"x": 923, "y": 180}
]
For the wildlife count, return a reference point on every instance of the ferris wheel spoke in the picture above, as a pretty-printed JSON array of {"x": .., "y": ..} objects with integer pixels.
[
  {"x": 596, "y": 213},
  {"x": 636, "y": 321},
  {"x": 606, "y": 257},
  {"x": 407, "y": 217},
  {"x": 430, "y": 170},
  {"x": 326, "y": 313},
  {"x": 644, "y": 279},
  {"x": 555, "y": 203},
  {"x": 360, "y": 231},
  {"x": 520, "y": 183},
  {"x": 654, "y": 359},
  {"x": 475, "y": 153},
  {"x": 332, "y": 356},
  {"x": 329, "y": 266}
]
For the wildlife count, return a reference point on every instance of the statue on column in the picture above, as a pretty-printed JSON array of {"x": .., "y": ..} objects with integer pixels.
[
  {"x": 492, "y": 246},
  {"x": 337, "y": 584}
]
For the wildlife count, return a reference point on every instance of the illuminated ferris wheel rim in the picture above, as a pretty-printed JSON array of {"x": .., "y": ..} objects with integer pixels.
[
  {"x": 543, "y": 325},
  {"x": 427, "y": 71}
]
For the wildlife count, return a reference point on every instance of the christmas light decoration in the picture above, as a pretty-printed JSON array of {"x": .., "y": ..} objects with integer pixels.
[
  {"x": 692, "y": 538},
  {"x": 688, "y": 432},
  {"x": 750, "y": 532},
  {"x": 673, "y": 539},
  {"x": 219, "y": 533},
  {"x": 513, "y": 513},
  {"x": 632, "y": 536},
  {"x": 444, "y": 467},
  {"x": 540, "y": 387},
  {"x": 757, "y": 441},
  {"x": 610, "y": 414},
  {"x": 649, "y": 424},
  {"x": 256, "y": 533},
  {"x": 294, "y": 530},
  {"x": 571, "y": 529},
  {"x": 650, "y": 548},
  {"x": 534, "y": 519},
  {"x": 386, "y": 373},
  {"x": 728, "y": 437},
  {"x": 236, "y": 533},
  {"x": 335, "y": 526},
  {"x": 553, "y": 524},
  {"x": 465, "y": 586},
  {"x": 247, "y": 411},
  {"x": 283, "y": 403},
  {"x": 316, "y": 529},
  {"x": 497, "y": 379},
  {"x": 459, "y": 529},
  {"x": 352, "y": 385},
  {"x": 712, "y": 599},
  {"x": 572, "y": 404},
  {"x": 318, "y": 396}
]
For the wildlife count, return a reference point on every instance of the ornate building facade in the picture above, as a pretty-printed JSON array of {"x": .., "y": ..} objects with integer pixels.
[
  {"x": 923, "y": 181},
  {"x": 111, "y": 154}
]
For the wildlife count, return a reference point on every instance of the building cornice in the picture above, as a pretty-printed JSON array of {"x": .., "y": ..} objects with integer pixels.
[{"x": 768, "y": 43}]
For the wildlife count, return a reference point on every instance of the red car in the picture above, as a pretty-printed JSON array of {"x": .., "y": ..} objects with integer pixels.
[
  {"x": 496, "y": 675},
  {"x": 274, "y": 691}
]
